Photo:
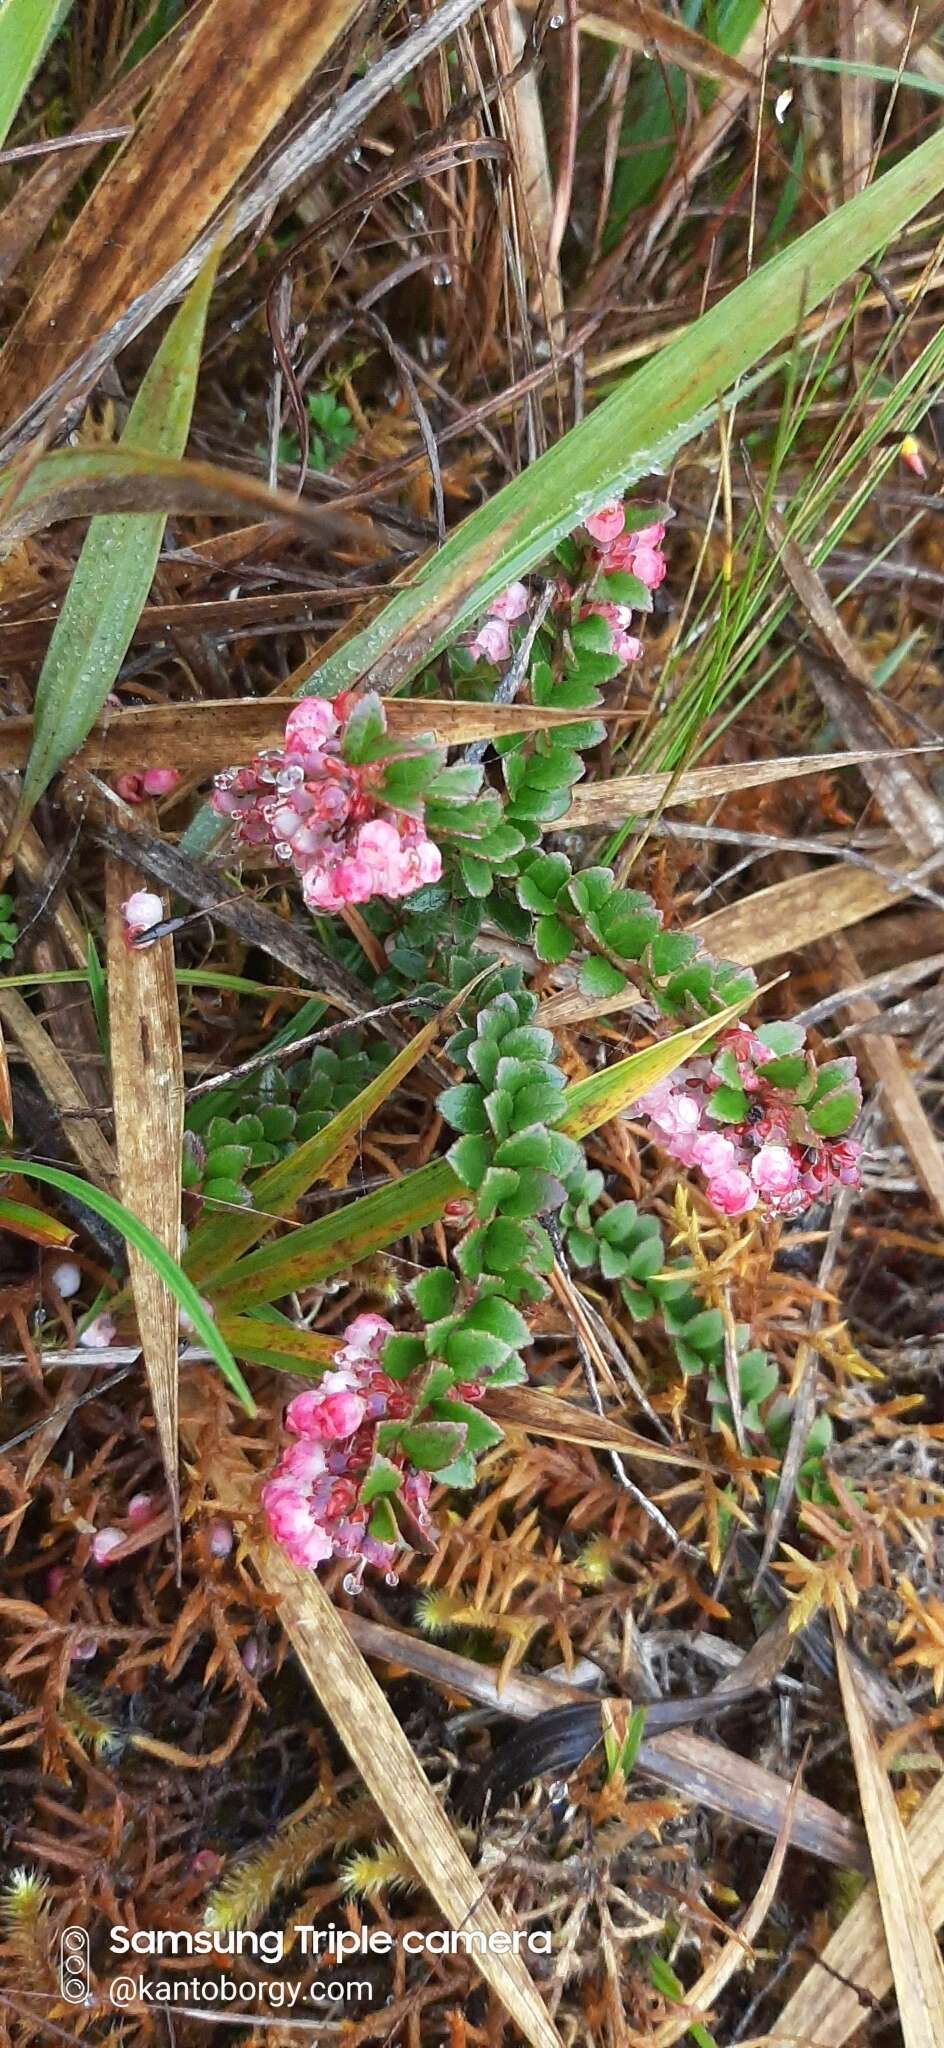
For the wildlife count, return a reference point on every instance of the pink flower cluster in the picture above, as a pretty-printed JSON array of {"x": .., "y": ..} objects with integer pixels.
[
  {"x": 493, "y": 641},
  {"x": 311, "y": 1501},
  {"x": 325, "y": 816},
  {"x": 758, "y": 1161},
  {"x": 638, "y": 554}
]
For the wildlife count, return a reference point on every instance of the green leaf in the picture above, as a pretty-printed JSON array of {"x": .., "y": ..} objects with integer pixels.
[
  {"x": 460, "y": 1471},
  {"x": 232, "y": 1194},
  {"x": 471, "y": 1158},
  {"x": 480, "y": 1433},
  {"x": 498, "y": 1317},
  {"x": 600, "y": 978},
  {"x": 474, "y": 1353},
  {"x": 728, "y": 1105},
  {"x": 27, "y": 28},
  {"x": 622, "y": 588},
  {"x": 383, "y": 1522},
  {"x": 137, "y": 1233},
  {"x": 464, "y": 1109},
  {"x": 365, "y": 733},
  {"x": 430, "y": 1445},
  {"x": 835, "y": 1114},
  {"x": 402, "y": 1355},
  {"x": 552, "y": 940},
  {"x": 115, "y": 570},
  {"x": 215, "y": 1245},
  {"x": 382, "y": 1477}
]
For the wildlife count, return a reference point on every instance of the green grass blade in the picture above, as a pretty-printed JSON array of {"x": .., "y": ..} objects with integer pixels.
[
  {"x": 137, "y": 1233},
  {"x": 884, "y": 74},
  {"x": 27, "y": 28},
  {"x": 636, "y": 431},
  {"x": 317, "y": 1251},
  {"x": 115, "y": 569}
]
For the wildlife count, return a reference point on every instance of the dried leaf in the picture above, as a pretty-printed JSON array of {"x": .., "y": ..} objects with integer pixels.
[
  {"x": 193, "y": 737},
  {"x": 205, "y": 123},
  {"x": 909, "y": 1932},
  {"x": 611, "y": 802},
  {"x": 80, "y": 1126},
  {"x": 148, "y": 1083}
]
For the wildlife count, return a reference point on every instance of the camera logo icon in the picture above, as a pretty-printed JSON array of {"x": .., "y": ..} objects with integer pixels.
[{"x": 75, "y": 1966}]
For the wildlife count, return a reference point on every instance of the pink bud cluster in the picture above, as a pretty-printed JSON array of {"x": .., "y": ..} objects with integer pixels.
[
  {"x": 325, "y": 816},
  {"x": 311, "y": 1502},
  {"x": 639, "y": 554},
  {"x": 761, "y": 1161},
  {"x": 141, "y": 783},
  {"x": 493, "y": 641}
]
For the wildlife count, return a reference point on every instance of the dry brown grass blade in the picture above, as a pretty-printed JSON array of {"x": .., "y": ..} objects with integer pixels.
[
  {"x": 148, "y": 1083},
  {"x": 736, "y": 1953},
  {"x": 701, "y": 1770},
  {"x": 913, "y": 1952},
  {"x": 826, "y": 2008},
  {"x": 542, "y": 1414},
  {"x": 523, "y": 118},
  {"x": 375, "y": 1741},
  {"x": 79, "y": 1121},
  {"x": 856, "y": 96},
  {"x": 33, "y": 862},
  {"x": 207, "y": 120},
  {"x": 637, "y": 26},
  {"x": 6, "y": 1092},
  {"x": 893, "y": 33},
  {"x": 880, "y": 1057},
  {"x": 785, "y": 918},
  {"x": 194, "y": 738},
  {"x": 28, "y": 213},
  {"x": 849, "y": 695},
  {"x": 612, "y": 802}
]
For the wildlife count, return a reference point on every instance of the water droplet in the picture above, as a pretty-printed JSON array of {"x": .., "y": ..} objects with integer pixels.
[
  {"x": 391, "y": 1578},
  {"x": 283, "y": 850},
  {"x": 289, "y": 778},
  {"x": 417, "y": 217},
  {"x": 354, "y": 155},
  {"x": 556, "y": 21},
  {"x": 442, "y": 274},
  {"x": 351, "y": 1582}
]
